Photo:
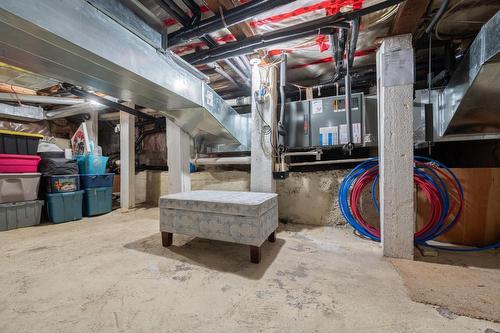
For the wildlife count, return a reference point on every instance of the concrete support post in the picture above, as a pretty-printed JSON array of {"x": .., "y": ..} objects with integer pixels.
[
  {"x": 263, "y": 119},
  {"x": 178, "y": 155},
  {"x": 395, "y": 77},
  {"x": 127, "y": 160}
]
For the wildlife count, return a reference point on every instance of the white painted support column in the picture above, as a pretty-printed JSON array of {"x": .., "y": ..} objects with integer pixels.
[
  {"x": 178, "y": 156},
  {"x": 395, "y": 77},
  {"x": 263, "y": 116},
  {"x": 127, "y": 159}
]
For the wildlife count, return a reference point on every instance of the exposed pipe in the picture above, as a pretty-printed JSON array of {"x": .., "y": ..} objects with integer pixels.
[
  {"x": 351, "y": 160},
  {"x": 101, "y": 100},
  {"x": 241, "y": 65},
  {"x": 219, "y": 70},
  {"x": 247, "y": 64},
  {"x": 236, "y": 69},
  {"x": 229, "y": 17},
  {"x": 283, "y": 81},
  {"x": 175, "y": 11},
  {"x": 341, "y": 48},
  {"x": 73, "y": 110},
  {"x": 348, "y": 112},
  {"x": 193, "y": 6},
  {"x": 183, "y": 19},
  {"x": 333, "y": 37},
  {"x": 348, "y": 108},
  {"x": 211, "y": 43},
  {"x": 40, "y": 99},
  {"x": 250, "y": 44},
  {"x": 435, "y": 19},
  {"x": 354, "y": 41},
  {"x": 221, "y": 160},
  {"x": 195, "y": 9},
  {"x": 305, "y": 29},
  {"x": 316, "y": 153},
  {"x": 281, "y": 127}
]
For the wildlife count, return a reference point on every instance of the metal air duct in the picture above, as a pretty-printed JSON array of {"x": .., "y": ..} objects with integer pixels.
[
  {"x": 73, "y": 41},
  {"x": 471, "y": 98}
]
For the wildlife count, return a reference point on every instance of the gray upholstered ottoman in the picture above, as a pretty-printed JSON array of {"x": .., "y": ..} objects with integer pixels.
[{"x": 239, "y": 217}]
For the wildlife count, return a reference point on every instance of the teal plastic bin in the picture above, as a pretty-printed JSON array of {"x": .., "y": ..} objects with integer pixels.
[
  {"x": 97, "y": 201},
  {"x": 64, "y": 207},
  {"x": 90, "y": 164}
]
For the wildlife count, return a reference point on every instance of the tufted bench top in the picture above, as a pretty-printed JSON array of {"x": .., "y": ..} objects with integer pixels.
[{"x": 223, "y": 202}]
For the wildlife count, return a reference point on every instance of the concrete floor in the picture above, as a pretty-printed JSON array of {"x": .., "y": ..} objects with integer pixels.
[{"x": 110, "y": 274}]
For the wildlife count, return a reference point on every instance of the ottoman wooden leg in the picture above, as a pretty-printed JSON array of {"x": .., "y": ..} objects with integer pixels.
[
  {"x": 255, "y": 254},
  {"x": 166, "y": 238},
  {"x": 272, "y": 237}
]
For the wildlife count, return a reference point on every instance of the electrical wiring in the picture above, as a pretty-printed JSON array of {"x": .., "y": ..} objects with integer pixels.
[
  {"x": 260, "y": 96},
  {"x": 438, "y": 184}
]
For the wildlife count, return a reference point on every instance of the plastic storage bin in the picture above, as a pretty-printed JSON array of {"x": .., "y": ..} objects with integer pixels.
[
  {"x": 51, "y": 154},
  {"x": 18, "y": 187},
  {"x": 90, "y": 164},
  {"x": 93, "y": 181},
  {"x": 58, "y": 166},
  {"x": 10, "y": 163},
  {"x": 19, "y": 143},
  {"x": 20, "y": 214},
  {"x": 64, "y": 207},
  {"x": 97, "y": 201},
  {"x": 61, "y": 183}
]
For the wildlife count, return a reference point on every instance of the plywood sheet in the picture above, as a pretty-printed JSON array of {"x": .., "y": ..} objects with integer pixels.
[{"x": 480, "y": 223}]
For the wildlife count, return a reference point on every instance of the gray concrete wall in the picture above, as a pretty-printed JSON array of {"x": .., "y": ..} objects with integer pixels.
[
  {"x": 307, "y": 198},
  {"x": 311, "y": 197},
  {"x": 150, "y": 185}
]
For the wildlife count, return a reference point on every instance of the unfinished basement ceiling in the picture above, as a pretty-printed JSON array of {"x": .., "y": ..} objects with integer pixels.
[{"x": 310, "y": 58}]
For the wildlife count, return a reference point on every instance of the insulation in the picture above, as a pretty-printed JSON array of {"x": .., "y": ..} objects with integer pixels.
[{"x": 309, "y": 58}]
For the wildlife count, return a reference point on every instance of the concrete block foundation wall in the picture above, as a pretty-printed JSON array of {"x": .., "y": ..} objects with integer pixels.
[
  {"x": 306, "y": 198},
  {"x": 150, "y": 185}
]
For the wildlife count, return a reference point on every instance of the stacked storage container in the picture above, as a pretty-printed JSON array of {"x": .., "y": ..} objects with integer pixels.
[
  {"x": 61, "y": 187},
  {"x": 19, "y": 180},
  {"x": 97, "y": 184}
]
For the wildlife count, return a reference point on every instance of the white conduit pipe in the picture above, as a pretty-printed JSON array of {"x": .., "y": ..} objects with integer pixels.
[
  {"x": 351, "y": 160},
  {"x": 221, "y": 160}
]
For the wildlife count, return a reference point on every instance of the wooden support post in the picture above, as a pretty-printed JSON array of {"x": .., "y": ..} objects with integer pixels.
[
  {"x": 178, "y": 155},
  {"x": 127, "y": 160},
  {"x": 395, "y": 76}
]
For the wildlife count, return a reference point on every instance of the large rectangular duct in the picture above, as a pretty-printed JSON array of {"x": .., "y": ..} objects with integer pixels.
[
  {"x": 471, "y": 98},
  {"x": 75, "y": 42}
]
